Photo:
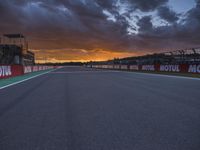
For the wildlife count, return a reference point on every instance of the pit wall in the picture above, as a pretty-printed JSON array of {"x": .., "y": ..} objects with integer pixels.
[
  {"x": 7, "y": 71},
  {"x": 182, "y": 68}
]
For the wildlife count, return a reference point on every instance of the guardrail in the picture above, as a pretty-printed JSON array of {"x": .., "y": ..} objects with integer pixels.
[
  {"x": 7, "y": 71},
  {"x": 182, "y": 68}
]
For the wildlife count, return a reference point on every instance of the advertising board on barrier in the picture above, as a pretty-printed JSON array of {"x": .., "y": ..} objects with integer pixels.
[
  {"x": 110, "y": 66},
  {"x": 194, "y": 69},
  {"x": 170, "y": 68},
  {"x": 134, "y": 67},
  {"x": 35, "y": 68},
  {"x": 148, "y": 68},
  {"x": 124, "y": 67},
  {"x": 116, "y": 66},
  {"x": 27, "y": 69},
  {"x": 5, "y": 71},
  {"x": 181, "y": 68}
]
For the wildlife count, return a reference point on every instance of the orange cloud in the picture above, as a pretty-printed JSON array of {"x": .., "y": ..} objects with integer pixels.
[{"x": 78, "y": 55}]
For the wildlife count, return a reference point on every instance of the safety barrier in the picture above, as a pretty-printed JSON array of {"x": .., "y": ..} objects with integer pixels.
[
  {"x": 181, "y": 68},
  {"x": 7, "y": 71},
  {"x": 29, "y": 69}
]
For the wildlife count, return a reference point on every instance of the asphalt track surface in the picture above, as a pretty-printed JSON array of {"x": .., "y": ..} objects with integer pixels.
[{"x": 82, "y": 109}]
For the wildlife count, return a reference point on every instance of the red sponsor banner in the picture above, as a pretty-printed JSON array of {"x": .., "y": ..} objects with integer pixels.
[
  {"x": 110, "y": 66},
  {"x": 194, "y": 69},
  {"x": 116, "y": 67},
  {"x": 17, "y": 70},
  {"x": 7, "y": 71},
  {"x": 134, "y": 67},
  {"x": 124, "y": 67},
  {"x": 148, "y": 68},
  {"x": 170, "y": 68},
  {"x": 181, "y": 68},
  {"x": 29, "y": 69}
]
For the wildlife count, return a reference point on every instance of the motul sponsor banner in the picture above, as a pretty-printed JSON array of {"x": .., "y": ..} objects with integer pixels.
[
  {"x": 110, "y": 66},
  {"x": 29, "y": 69},
  {"x": 134, "y": 67},
  {"x": 194, "y": 69},
  {"x": 182, "y": 68},
  {"x": 170, "y": 68},
  {"x": 148, "y": 67},
  {"x": 35, "y": 68},
  {"x": 102, "y": 66},
  {"x": 124, "y": 67},
  {"x": 5, "y": 71},
  {"x": 116, "y": 67}
]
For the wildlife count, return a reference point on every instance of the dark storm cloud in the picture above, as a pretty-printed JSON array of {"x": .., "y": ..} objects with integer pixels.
[
  {"x": 167, "y": 14},
  {"x": 191, "y": 28},
  {"x": 147, "y": 5},
  {"x": 198, "y": 2},
  {"x": 81, "y": 24},
  {"x": 109, "y": 4},
  {"x": 145, "y": 25},
  {"x": 184, "y": 34}
]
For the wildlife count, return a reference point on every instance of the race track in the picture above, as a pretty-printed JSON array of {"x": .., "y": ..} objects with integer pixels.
[{"x": 75, "y": 108}]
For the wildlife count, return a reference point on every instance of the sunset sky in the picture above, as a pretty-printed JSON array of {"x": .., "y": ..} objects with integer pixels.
[{"x": 84, "y": 30}]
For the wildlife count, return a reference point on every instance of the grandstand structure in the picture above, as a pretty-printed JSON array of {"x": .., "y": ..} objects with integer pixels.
[
  {"x": 185, "y": 56},
  {"x": 14, "y": 50}
]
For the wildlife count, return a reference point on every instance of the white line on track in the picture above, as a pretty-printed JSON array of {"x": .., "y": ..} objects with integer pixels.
[
  {"x": 18, "y": 82},
  {"x": 152, "y": 74},
  {"x": 118, "y": 71},
  {"x": 79, "y": 72},
  {"x": 163, "y": 75},
  {"x": 111, "y": 71}
]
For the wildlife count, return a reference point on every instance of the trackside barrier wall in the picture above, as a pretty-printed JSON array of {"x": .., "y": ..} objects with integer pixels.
[
  {"x": 182, "y": 68},
  {"x": 29, "y": 69},
  {"x": 7, "y": 71}
]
